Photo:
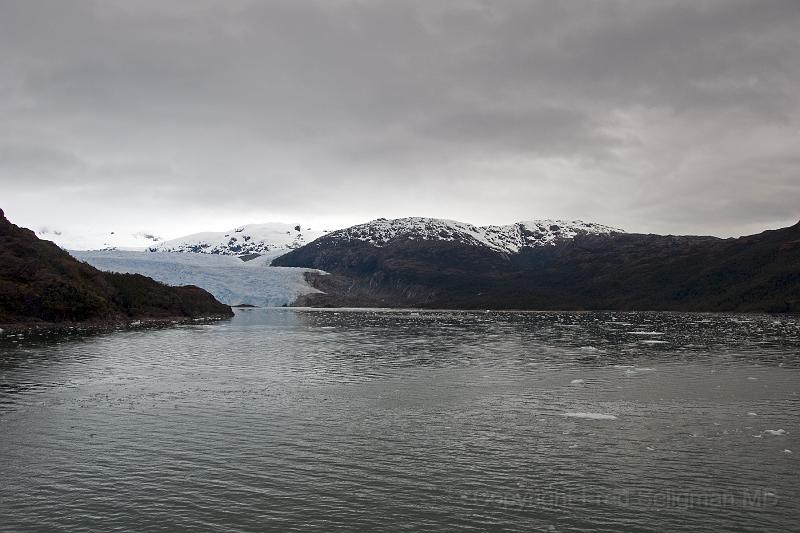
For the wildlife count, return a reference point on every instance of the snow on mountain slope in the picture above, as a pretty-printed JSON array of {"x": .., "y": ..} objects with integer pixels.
[
  {"x": 229, "y": 279},
  {"x": 248, "y": 239},
  {"x": 504, "y": 239},
  {"x": 93, "y": 239}
]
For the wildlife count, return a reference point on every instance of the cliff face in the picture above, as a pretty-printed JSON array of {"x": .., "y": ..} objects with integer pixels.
[
  {"x": 39, "y": 282},
  {"x": 589, "y": 271}
]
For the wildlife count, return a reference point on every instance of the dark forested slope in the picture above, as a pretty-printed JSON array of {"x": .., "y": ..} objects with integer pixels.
[
  {"x": 590, "y": 271},
  {"x": 39, "y": 282}
]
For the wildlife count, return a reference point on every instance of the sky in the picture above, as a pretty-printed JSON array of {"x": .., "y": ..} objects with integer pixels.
[{"x": 196, "y": 115}]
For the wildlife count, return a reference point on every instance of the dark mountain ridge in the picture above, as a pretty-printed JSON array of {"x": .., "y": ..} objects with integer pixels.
[
  {"x": 608, "y": 270},
  {"x": 40, "y": 282}
]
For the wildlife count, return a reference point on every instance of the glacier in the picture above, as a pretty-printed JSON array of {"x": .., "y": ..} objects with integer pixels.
[{"x": 228, "y": 278}]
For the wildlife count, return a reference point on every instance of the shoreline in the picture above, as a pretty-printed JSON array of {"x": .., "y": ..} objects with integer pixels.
[{"x": 100, "y": 326}]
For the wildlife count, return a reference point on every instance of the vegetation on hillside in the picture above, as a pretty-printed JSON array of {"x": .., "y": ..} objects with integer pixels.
[
  {"x": 41, "y": 282},
  {"x": 615, "y": 271}
]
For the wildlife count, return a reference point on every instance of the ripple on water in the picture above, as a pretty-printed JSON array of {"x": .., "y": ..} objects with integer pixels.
[{"x": 313, "y": 419}]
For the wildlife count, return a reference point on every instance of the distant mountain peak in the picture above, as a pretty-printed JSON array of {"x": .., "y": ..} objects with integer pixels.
[{"x": 262, "y": 239}]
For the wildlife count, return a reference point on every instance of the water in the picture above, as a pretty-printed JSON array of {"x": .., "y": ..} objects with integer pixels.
[{"x": 422, "y": 421}]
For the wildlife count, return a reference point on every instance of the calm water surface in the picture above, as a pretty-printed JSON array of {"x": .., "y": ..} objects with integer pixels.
[{"x": 421, "y": 421}]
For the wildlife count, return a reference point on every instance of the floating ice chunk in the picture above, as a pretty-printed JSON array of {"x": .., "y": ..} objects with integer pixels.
[
  {"x": 576, "y": 382},
  {"x": 635, "y": 370},
  {"x": 775, "y": 432},
  {"x": 590, "y": 416}
]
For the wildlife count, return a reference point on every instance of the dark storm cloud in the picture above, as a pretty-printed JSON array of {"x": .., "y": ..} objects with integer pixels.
[{"x": 653, "y": 116}]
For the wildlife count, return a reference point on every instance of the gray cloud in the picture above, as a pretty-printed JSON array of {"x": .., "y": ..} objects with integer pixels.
[{"x": 665, "y": 116}]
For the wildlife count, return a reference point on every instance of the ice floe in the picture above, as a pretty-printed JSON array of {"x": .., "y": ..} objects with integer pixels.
[
  {"x": 635, "y": 370},
  {"x": 590, "y": 416}
]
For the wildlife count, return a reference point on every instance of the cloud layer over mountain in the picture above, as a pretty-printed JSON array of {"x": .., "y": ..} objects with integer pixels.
[{"x": 664, "y": 116}]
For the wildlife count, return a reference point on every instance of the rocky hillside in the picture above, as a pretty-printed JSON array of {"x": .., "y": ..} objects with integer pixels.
[
  {"x": 566, "y": 267},
  {"x": 39, "y": 282}
]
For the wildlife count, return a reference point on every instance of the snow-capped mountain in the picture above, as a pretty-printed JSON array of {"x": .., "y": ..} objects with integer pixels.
[
  {"x": 264, "y": 239},
  {"x": 410, "y": 262},
  {"x": 274, "y": 239},
  {"x": 505, "y": 239}
]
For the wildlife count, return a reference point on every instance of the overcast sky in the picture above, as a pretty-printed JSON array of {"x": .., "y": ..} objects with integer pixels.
[{"x": 181, "y": 116}]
